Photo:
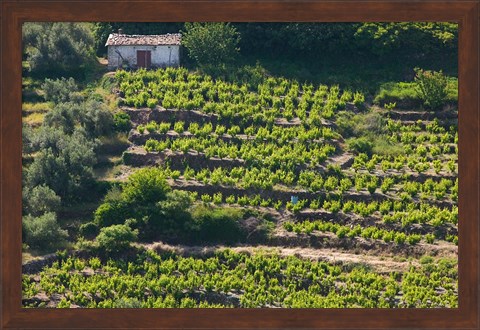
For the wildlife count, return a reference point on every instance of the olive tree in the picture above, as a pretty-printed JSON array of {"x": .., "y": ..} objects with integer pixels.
[{"x": 62, "y": 49}]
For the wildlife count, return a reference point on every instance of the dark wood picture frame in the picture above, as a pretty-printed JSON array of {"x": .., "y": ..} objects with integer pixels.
[{"x": 15, "y": 12}]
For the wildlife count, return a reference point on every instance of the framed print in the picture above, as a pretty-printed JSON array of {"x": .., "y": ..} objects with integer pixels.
[{"x": 210, "y": 164}]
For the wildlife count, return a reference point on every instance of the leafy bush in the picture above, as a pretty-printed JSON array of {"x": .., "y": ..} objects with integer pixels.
[
  {"x": 63, "y": 49},
  {"x": 179, "y": 126},
  {"x": 211, "y": 45},
  {"x": 358, "y": 99},
  {"x": 146, "y": 203},
  {"x": 127, "y": 303},
  {"x": 360, "y": 145},
  {"x": 64, "y": 117},
  {"x": 173, "y": 214},
  {"x": 64, "y": 163},
  {"x": 93, "y": 116},
  {"x": 152, "y": 103},
  {"x": 216, "y": 224},
  {"x": 61, "y": 90},
  {"x": 96, "y": 119},
  {"x": 121, "y": 122},
  {"x": 413, "y": 239},
  {"x": 110, "y": 213},
  {"x": 43, "y": 232},
  {"x": 430, "y": 238},
  {"x": 432, "y": 87},
  {"x": 40, "y": 200},
  {"x": 89, "y": 229},
  {"x": 400, "y": 238},
  {"x": 116, "y": 238},
  {"x": 145, "y": 186}
]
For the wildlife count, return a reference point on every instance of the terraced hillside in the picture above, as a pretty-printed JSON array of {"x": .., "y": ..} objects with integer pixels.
[
  {"x": 291, "y": 147},
  {"x": 332, "y": 201}
]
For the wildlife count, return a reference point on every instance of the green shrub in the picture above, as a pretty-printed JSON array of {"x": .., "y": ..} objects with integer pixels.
[
  {"x": 151, "y": 127},
  {"x": 371, "y": 187},
  {"x": 216, "y": 224},
  {"x": 211, "y": 45},
  {"x": 152, "y": 103},
  {"x": 400, "y": 238},
  {"x": 174, "y": 211},
  {"x": 60, "y": 48},
  {"x": 164, "y": 127},
  {"x": 43, "y": 232},
  {"x": 413, "y": 239},
  {"x": 430, "y": 238},
  {"x": 217, "y": 198},
  {"x": 110, "y": 213},
  {"x": 360, "y": 145},
  {"x": 96, "y": 119},
  {"x": 121, "y": 122},
  {"x": 288, "y": 226},
  {"x": 127, "y": 303},
  {"x": 116, "y": 238},
  {"x": 64, "y": 163},
  {"x": 431, "y": 87},
  {"x": 358, "y": 99},
  {"x": 179, "y": 127},
  {"x": 89, "y": 229},
  {"x": 40, "y": 200},
  {"x": 60, "y": 90},
  {"x": 147, "y": 185},
  {"x": 230, "y": 199},
  {"x": 206, "y": 198}
]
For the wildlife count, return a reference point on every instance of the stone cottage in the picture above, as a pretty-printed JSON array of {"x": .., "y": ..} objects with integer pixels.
[{"x": 143, "y": 51}]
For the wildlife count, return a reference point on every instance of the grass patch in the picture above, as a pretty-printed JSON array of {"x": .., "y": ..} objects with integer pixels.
[
  {"x": 113, "y": 145},
  {"x": 34, "y": 119},
  {"x": 406, "y": 96},
  {"x": 383, "y": 147},
  {"x": 108, "y": 173},
  {"x": 213, "y": 224},
  {"x": 40, "y": 107},
  {"x": 358, "y": 125}
]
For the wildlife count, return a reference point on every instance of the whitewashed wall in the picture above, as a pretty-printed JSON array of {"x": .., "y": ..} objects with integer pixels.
[{"x": 161, "y": 55}]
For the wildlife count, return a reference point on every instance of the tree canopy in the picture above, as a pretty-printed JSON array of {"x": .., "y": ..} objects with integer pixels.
[
  {"x": 58, "y": 49},
  {"x": 211, "y": 45}
]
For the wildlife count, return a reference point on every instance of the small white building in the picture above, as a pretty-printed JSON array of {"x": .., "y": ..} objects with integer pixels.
[{"x": 143, "y": 51}]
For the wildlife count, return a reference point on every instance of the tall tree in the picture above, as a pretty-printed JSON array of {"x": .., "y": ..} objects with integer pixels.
[
  {"x": 212, "y": 46},
  {"x": 58, "y": 49}
]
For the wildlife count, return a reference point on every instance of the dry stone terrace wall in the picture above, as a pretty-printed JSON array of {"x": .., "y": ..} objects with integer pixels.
[
  {"x": 138, "y": 138},
  {"x": 285, "y": 195},
  {"x": 356, "y": 245},
  {"x": 423, "y": 115},
  {"x": 374, "y": 220},
  {"x": 145, "y": 115},
  {"x": 142, "y": 116},
  {"x": 138, "y": 157}
]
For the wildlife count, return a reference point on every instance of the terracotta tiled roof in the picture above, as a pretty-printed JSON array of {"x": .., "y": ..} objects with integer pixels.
[{"x": 116, "y": 39}]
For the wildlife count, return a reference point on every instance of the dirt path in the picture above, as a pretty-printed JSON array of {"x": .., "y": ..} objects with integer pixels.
[{"x": 377, "y": 263}]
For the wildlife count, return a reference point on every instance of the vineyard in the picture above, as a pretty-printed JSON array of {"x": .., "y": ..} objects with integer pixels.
[
  {"x": 265, "y": 164},
  {"x": 289, "y": 154},
  {"x": 228, "y": 279}
]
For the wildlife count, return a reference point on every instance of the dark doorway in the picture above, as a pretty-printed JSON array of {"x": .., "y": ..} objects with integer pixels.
[{"x": 144, "y": 58}]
